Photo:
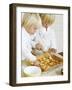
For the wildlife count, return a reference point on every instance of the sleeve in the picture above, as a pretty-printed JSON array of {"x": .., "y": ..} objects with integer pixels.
[
  {"x": 49, "y": 41},
  {"x": 44, "y": 44},
  {"x": 53, "y": 40},
  {"x": 40, "y": 38},
  {"x": 36, "y": 40},
  {"x": 26, "y": 54},
  {"x": 34, "y": 44}
]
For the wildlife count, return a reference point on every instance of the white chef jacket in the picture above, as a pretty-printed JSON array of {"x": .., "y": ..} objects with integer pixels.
[
  {"x": 27, "y": 46},
  {"x": 46, "y": 38}
]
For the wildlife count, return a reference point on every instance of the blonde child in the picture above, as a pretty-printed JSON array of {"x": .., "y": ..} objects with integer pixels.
[
  {"x": 46, "y": 35},
  {"x": 30, "y": 25}
]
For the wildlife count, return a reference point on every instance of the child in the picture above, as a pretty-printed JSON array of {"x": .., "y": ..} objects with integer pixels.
[
  {"x": 46, "y": 35},
  {"x": 30, "y": 24}
]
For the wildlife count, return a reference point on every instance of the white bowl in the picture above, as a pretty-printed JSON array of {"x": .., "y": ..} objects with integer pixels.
[{"x": 32, "y": 71}]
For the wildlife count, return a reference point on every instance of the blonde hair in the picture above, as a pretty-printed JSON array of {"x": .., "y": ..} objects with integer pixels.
[
  {"x": 49, "y": 18},
  {"x": 31, "y": 19}
]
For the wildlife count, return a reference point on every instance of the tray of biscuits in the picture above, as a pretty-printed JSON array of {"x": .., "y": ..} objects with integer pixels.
[{"x": 48, "y": 61}]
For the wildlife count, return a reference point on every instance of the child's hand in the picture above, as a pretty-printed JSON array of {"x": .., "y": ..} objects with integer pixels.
[
  {"x": 33, "y": 52},
  {"x": 36, "y": 63},
  {"x": 52, "y": 50},
  {"x": 39, "y": 46}
]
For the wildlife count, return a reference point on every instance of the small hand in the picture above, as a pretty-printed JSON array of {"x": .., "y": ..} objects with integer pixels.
[
  {"x": 39, "y": 46},
  {"x": 52, "y": 50},
  {"x": 33, "y": 52},
  {"x": 37, "y": 63}
]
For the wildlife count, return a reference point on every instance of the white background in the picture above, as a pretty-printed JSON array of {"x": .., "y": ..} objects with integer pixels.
[
  {"x": 58, "y": 29},
  {"x": 4, "y": 45}
]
